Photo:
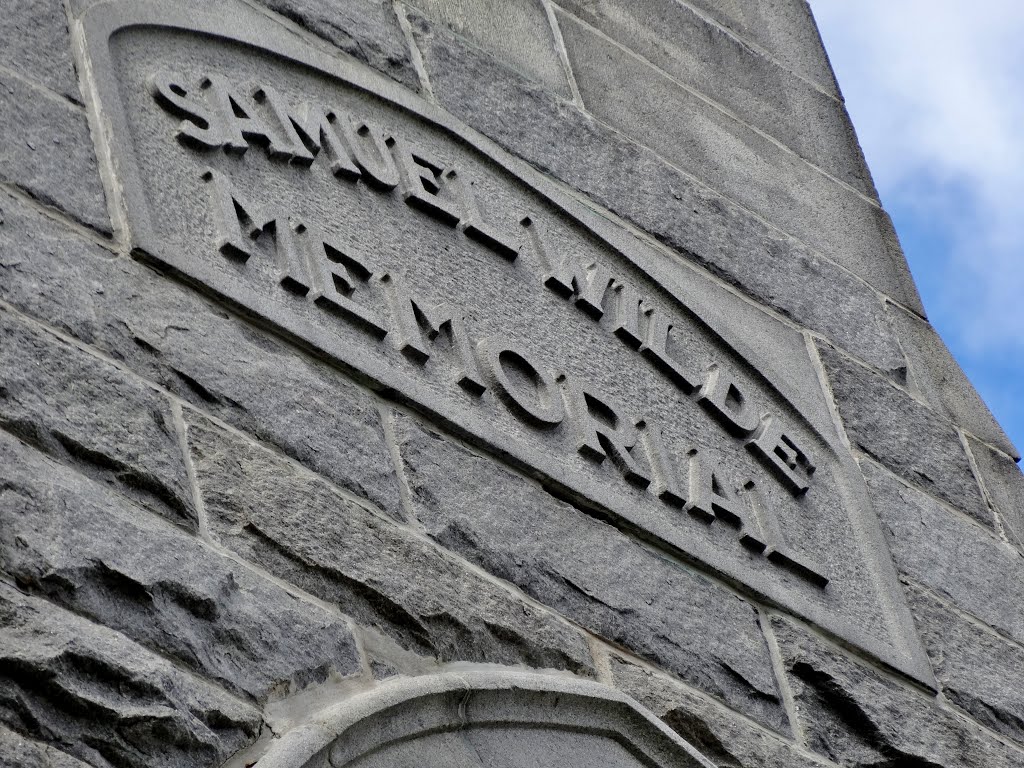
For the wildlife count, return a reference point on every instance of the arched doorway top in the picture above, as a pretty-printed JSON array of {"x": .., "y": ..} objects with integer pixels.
[{"x": 501, "y": 719}]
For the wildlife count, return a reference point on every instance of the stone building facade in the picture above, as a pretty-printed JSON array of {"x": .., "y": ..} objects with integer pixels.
[{"x": 374, "y": 372}]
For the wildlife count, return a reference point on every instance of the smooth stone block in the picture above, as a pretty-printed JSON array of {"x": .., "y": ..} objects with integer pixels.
[
  {"x": 516, "y": 32},
  {"x": 948, "y": 553},
  {"x": 367, "y": 30},
  {"x": 1002, "y": 479},
  {"x": 759, "y": 90},
  {"x": 741, "y": 164},
  {"x": 907, "y": 437},
  {"x": 34, "y": 42},
  {"x": 942, "y": 382},
  {"x": 48, "y": 152},
  {"x": 784, "y": 29}
]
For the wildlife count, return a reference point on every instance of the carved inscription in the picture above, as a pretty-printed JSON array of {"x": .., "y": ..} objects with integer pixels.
[
  {"x": 218, "y": 115},
  {"x": 376, "y": 232}
]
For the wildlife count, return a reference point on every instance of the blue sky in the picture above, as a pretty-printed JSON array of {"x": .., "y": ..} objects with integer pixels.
[{"x": 935, "y": 89}]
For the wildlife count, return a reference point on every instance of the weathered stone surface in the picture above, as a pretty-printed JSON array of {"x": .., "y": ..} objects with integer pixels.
[
  {"x": 47, "y": 151},
  {"x": 904, "y": 435},
  {"x": 560, "y": 140},
  {"x": 1004, "y": 483},
  {"x": 784, "y": 29},
  {"x": 756, "y": 89},
  {"x": 367, "y": 30},
  {"x": 18, "y": 752},
  {"x": 385, "y": 576},
  {"x": 856, "y": 717},
  {"x": 34, "y": 37},
  {"x": 961, "y": 561},
  {"x": 942, "y": 382},
  {"x": 516, "y": 32},
  {"x": 731, "y": 158},
  {"x": 171, "y": 335},
  {"x": 468, "y": 718},
  {"x": 727, "y": 740},
  {"x": 92, "y": 693},
  {"x": 90, "y": 551},
  {"x": 88, "y": 413},
  {"x": 979, "y": 671},
  {"x": 590, "y": 572}
]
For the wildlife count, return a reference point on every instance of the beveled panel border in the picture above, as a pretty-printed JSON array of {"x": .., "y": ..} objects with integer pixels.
[{"x": 240, "y": 23}]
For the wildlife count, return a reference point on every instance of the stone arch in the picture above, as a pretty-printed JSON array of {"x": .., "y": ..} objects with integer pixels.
[{"x": 463, "y": 720}]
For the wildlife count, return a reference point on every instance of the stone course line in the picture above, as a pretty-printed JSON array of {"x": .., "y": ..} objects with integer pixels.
[{"x": 720, "y": 108}]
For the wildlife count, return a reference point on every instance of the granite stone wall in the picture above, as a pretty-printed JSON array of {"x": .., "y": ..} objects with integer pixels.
[{"x": 207, "y": 530}]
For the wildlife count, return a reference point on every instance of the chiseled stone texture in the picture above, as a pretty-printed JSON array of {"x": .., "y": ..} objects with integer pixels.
[
  {"x": 855, "y": 716},
  {"x": 979, "y": 671},
  {"x": 47, "y": 151},
  {"x": 171, "y": 335},
  {"x": 942, "y": 382},
  {"x": 558, "y": 139},
  {"x": 81, "y": 546},
  {"x": 94, "y": 694},
  {"x": 727, "y": 740},
  {"x": 1004, "y": 483},
  {"x": 385, "y": 576},
  {"x": 18, "y": 752},
  {"x": 516, "y": 32},
  {"x": 899, "y": 432},
  {"x": 91, "y": 414},
  {"x": 735, "y": 160},
  {"x": 784, "y": 29},
  {"x": 590, "y": 572},
  {"x": 956, "y": 558},
  {"x": 34, "y": 35},
  {"x": 367, "y": 30},
  {"x": 757, "y": 89}
]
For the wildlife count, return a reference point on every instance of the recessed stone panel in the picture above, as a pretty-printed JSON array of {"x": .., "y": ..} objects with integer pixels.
[{"x": 356, "y": 219}]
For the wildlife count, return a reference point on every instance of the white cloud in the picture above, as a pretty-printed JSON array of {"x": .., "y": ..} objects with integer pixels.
[{"x": 936, "y": 91}]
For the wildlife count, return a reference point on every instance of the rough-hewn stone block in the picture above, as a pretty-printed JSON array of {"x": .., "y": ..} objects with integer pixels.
[
  {"x": 34, "y": 41},
  {"x": 959, "y": 560},
  {"x": 979, "y": 671},
  {"x": 385, "y": 576},
  {"x": 90, "y": 414},
  {"x": 784, "y": 29},
  {"x": 47, "y": 151},
  {"x": 1004, "y": 482},
  {"x": 731, "y": 158},
  {"x": 718, "y": 733},
  {"x": 855, "y": 716},
  {"x": 590, "y": 572},
  {"x": 516, "y": 32},
  {"x": 942, "y": 382},
  {"x": 171, "y": 335},
  {"x": 367, "y": 30},
  {"x": 558, "y": 139},
  {"x": 904, "y": 435},
  {"x": 18, "y": 752},
  {"x": 91, "y": 692},
  {"x": 757, "y": 89},
  {"x": 81, "y": 546}
]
